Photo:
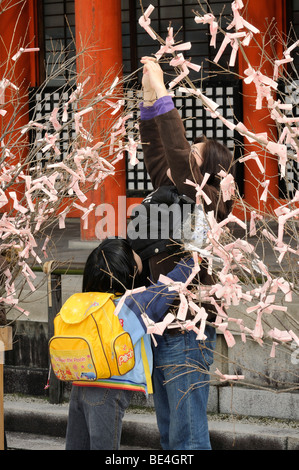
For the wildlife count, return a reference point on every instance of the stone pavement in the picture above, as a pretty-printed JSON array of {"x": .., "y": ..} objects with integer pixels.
[{"x": 33, "y": 424}]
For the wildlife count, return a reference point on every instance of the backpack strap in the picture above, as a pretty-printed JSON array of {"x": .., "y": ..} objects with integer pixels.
[{"x": 146, "y": 368}]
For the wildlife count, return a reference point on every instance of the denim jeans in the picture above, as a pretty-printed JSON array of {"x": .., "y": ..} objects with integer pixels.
[
  {"x": 181, "y": 389},
  {"x": 95, "y": 418}
]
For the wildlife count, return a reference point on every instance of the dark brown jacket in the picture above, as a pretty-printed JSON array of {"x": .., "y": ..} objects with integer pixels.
[{"x": 165, "y": 146}]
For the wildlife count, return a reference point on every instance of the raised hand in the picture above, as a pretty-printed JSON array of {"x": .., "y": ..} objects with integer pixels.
[{"x": 153, "y": 77}]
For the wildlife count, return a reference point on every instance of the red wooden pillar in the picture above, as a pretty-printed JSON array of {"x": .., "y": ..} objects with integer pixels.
[
  {"x": 258, "y": 13},
  {"x": 98, "y": 28},
  {"x": 18, "y": 28}
]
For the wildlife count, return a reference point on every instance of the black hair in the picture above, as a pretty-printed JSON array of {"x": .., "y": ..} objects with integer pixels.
[
  {"x": 111, "y": 267},
  {"x": 216, "y": 157}
]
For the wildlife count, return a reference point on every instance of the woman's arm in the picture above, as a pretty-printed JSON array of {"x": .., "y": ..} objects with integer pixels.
[
  {"x": 154, "y": 153},
  {"x": 178, "y": 151},
  {"x": 152, "y": 146},
  {"x": 169, "y": 127},
  {"x": 156, "y": 299}
]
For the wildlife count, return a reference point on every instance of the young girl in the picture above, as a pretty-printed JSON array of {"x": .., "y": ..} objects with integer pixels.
[
  {"x": 97, "y": 408},
  {"x": 181, "y": 407}
]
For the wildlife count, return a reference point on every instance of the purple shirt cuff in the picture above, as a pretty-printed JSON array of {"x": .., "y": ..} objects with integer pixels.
[{"x": 161, "y": 106}]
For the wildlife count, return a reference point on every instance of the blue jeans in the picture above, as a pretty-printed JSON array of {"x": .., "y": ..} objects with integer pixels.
[
  {"x": 95, "y": 418},
  {"x": 181, "y": 389}
]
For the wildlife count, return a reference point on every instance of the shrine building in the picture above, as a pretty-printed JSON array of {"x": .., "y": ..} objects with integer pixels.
[{"x": 113, "y": 25}]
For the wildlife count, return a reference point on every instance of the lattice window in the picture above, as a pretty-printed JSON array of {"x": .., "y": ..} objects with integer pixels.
[
  {"x": 197, "y": 121},
  {"x": 290, "y": 183},
  {"x": 137, "y": 43},
  {"x": 45, "y": 101},
  {"x": 59, "y": 33},
  {"x": 58, "y": 18}
]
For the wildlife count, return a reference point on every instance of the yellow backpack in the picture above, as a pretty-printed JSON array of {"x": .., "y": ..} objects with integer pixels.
[{"x": 89, "y": 343}]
